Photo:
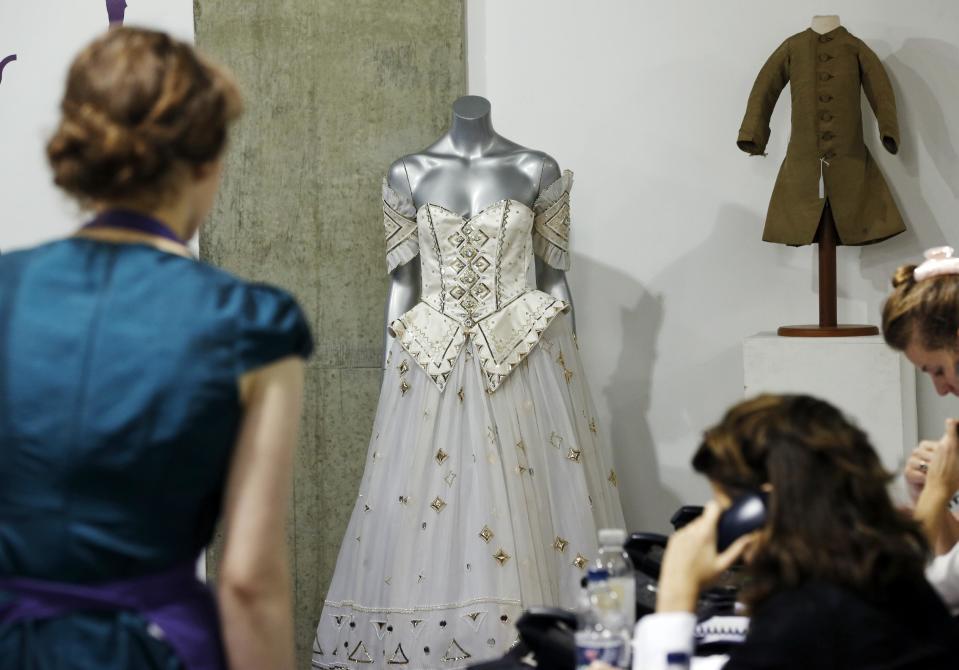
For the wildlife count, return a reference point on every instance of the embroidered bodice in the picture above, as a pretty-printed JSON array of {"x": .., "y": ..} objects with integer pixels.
[{"x": 475, "y": 278}]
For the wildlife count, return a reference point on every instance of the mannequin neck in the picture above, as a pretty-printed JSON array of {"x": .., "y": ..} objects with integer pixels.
[
  {"x": 825, "y": 24},
  {"x": 471, "y": 131}
]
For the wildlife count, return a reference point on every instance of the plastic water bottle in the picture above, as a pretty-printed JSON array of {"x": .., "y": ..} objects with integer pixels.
[
  {"x": 622, "y": 576},
  {"x": 600, "y": 636}
]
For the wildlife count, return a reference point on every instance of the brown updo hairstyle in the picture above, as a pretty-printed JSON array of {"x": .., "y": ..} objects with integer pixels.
[
  {"x": 830, "y": 516},
  {"x": 927, "y": 310},
  {"x": 138, "y": 105}
]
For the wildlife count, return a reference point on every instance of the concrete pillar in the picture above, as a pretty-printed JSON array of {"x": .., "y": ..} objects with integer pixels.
[{"x": 335, "y": 91}]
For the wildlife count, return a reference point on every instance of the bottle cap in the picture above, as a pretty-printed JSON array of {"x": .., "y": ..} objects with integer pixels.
[
  {"x": 609, "y": 537},
  {"x": 597, "y": 574}
]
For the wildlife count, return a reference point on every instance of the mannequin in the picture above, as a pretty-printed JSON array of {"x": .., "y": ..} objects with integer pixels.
[
  {"x": 470, "y": 167},
  {"x": 826, "y": 23},
  {"x": 484, "y": 414}
]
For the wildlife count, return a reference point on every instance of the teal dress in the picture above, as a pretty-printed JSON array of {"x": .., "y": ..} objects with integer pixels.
[{"x": 119, "y": 409}]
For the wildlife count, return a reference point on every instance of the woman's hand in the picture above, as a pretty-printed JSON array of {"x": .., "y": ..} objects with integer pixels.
[
  {"x": 918, "y": 465},
  {"x": 941, "y": 482},
  {"x": 943, "y": 469},
  {"x": 691, "y": 561}
]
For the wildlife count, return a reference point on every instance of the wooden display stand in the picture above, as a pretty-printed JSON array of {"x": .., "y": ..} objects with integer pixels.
[{"x": 827, "y": 239}]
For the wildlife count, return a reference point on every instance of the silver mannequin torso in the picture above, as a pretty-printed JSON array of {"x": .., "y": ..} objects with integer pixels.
[{"x": 468, "y": 168}]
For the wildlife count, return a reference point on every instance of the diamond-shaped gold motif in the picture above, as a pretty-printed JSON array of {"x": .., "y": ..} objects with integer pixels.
[
  {"x": 521, "y": 469},
  {"x": 592, "y": 426},
  {"x": 480, "y": 291},
  {"x": 441, "y": 456},
  {"x": 404, "y": 500},
  {"x": 404, "y": 367},
  {"x": 481, "y": 264},
  {"x": 580, "y": 562},
  {"x": 568, "y": 374},
  {"x": 573, "y": 455},
  {"x": 457, "y": 292},
  {"x": 479, "y": 238},
  {"x": 521, "y": 445},
  {"x": 467, "y": 251},
  {"x": 458, "y": 265},
  {"x": 461, "y": 395},
  {"x": 501, "y": 556},
  {"x": 556, "y": 441},
  {"x": 559, "y": 544},
  {"x": 457, "y": 239},
  {"x": 612, "y": 478},
  {"x": 469, "y": 304},
  {"x": 449, "y": 479},
  {"x": 404, "y": 387},
  {"x": 486, "y": 534},
  {"x": 438, "y": 504}
]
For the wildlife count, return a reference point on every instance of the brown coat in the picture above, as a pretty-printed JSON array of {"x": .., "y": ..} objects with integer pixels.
[{"x": 825, "y": 73}]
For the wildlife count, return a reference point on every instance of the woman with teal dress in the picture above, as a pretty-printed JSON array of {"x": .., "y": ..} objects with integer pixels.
[{"x": 143, "y": 395}]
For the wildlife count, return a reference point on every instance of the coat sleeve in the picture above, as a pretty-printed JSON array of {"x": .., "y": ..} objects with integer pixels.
[
  {"x": 943, "y": 574},
  {"x": 882, "y": 99},
  {"x": 772, "y": 79},
  {"x": 663, "y": 641}
]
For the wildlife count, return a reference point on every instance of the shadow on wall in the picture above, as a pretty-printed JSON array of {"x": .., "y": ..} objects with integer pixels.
[
  {"x": 716, "y": 301},
  {"x": 922, "y": 123},
  {"x": 628, "y": 396},
  {"x": 628, "y": 392}
]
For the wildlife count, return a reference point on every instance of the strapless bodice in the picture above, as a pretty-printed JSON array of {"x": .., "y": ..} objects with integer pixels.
[{"x": 475, "y": 278}]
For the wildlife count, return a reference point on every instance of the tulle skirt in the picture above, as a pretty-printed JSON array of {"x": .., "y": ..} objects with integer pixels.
[{"x": 473, "y": 507}]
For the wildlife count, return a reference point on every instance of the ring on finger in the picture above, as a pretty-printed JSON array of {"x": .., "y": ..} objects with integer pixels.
[{"x": 923, "y": 467}]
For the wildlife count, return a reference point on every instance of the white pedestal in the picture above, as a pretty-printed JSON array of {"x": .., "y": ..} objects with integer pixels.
[{"x": 863, "y": 377}]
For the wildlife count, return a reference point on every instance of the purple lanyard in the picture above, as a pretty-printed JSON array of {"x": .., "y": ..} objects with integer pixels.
[{"x": 126, "y": 219}]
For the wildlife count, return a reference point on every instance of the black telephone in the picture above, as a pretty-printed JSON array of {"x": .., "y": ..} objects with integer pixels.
[{"x": 746, "y": 514}]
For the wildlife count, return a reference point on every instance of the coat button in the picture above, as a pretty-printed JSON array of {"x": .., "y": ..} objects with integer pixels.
[
  {"x": 825, "y": 98},
  {"x": 826, "y": 116},
  {"x": 827, "y": 136},
  {"x": 824, "y": 57},
  {"x": 824, "y": 76},
  {"x": 825, "y": 38}
]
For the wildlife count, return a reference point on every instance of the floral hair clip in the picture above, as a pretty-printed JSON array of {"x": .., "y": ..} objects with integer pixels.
[{"x": 939, "y": 261}]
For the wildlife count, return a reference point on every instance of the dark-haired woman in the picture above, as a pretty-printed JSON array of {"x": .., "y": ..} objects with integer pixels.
[
  {"x": 142, "y": 392},
  {"x": 835, "y": 577}
]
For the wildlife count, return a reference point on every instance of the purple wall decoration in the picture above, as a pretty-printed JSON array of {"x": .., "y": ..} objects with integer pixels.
[
  {"x": 6, "y": 61},
  {"x": 115, "y": 11}
]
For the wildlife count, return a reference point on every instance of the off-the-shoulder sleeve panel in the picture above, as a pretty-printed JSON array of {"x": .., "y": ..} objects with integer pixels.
[
  {"x": 552, "y": 221},
  {"x": 399, "y": 223},
  {"x": 271, "y": 326}
]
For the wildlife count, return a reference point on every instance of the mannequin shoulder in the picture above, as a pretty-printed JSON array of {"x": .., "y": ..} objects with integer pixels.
[
  {"x": 398, "y": 178},
  {"x": 549, "y": 172},
  {"x": 538, "y": 165}
]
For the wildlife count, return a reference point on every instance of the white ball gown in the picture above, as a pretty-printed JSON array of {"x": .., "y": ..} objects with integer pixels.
[{"x": 486, "y": 478}]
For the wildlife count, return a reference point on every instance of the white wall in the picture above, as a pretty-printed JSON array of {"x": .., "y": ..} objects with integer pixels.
[
  {"x": 45, "y": 36},
  {"x": 643, "y": 100}
]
